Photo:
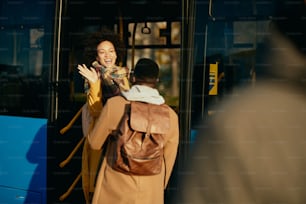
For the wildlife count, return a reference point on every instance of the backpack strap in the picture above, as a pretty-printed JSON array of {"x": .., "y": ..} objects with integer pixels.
[{"x": 150, "y": 118}]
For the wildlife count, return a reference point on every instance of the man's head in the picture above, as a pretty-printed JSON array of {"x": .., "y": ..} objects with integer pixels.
[{"x": 146, "y": 72}]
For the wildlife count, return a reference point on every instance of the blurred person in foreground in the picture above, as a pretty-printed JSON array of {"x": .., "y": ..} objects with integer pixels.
[{"x": 254, "y": 149}]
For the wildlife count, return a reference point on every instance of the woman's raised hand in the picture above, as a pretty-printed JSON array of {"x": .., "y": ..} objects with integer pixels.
[{"x": 90, "y": 74}]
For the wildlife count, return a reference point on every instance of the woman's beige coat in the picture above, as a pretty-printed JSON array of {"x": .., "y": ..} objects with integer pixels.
[{"x": 113, "y": 187}]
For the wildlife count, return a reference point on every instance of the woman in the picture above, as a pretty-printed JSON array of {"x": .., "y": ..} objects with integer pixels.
[
  {"x": 105, "y": 76},
  {"x": 103, "y": 80}
]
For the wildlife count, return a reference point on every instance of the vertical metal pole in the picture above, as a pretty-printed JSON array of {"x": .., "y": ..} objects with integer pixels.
[
  {"x": 204, "y": 72},
  {"x": 187, "y": 63},
  {"x": 56, "y": 61},
  {"x": 210, "y": 8}
]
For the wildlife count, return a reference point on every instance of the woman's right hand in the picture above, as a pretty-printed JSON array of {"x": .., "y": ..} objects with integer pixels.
[{"x": 90, "y": 74}]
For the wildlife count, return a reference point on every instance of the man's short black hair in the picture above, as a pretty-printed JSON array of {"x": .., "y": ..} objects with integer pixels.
[{"x": 146, "y": 70}]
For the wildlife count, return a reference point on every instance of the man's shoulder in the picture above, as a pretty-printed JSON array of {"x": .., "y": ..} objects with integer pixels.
[
  {"x": 173, "y": 114},
  {"x": 117, "y": 99}
]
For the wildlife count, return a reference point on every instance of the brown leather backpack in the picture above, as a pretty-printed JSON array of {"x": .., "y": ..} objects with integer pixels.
[{"x": 137, "y": 145}]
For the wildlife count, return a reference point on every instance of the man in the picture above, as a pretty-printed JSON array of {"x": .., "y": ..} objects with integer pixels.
[
  {"x": 253, "y": 150},
  {"x": 113, "y": 187}
]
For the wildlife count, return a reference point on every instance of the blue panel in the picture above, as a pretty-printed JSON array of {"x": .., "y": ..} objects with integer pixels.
[
  {"x": 23, "y": 152},
  {"x": 16, "y": 196},
  {"x": 193, "y": 135}
]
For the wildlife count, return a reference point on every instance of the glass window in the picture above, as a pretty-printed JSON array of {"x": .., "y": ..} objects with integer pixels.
[
  {"x": 148, "y": 33},
  {"x": 152, "y": 41},
  {"x": 26, "y": 40}
]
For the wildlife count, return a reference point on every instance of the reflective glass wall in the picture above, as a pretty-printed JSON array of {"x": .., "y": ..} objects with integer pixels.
[{"x": 26, "y": 34}]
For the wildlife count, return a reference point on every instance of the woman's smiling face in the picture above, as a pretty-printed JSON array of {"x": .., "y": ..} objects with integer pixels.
[{"x": 106, "y": 54}]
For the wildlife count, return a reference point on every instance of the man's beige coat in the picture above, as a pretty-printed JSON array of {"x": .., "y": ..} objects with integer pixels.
[{"x": 113, "y": 187}]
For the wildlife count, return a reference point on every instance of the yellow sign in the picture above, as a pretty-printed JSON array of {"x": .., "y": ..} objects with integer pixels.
[{"x": 213, "y": 79}]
